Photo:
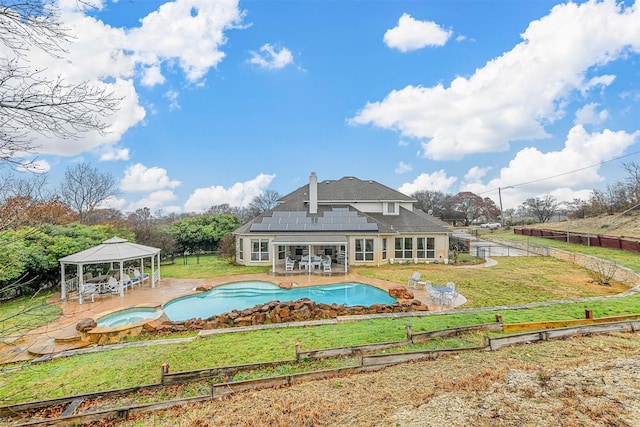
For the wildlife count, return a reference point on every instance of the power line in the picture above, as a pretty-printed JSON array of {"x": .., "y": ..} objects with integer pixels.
[{"x": 563, "y": 174}]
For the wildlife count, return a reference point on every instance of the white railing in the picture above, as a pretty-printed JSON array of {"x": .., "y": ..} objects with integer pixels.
[{"x": 71, "y": 284}]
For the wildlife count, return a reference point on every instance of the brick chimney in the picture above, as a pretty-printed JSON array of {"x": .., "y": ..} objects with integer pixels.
[{"x": 313, "y": 193}]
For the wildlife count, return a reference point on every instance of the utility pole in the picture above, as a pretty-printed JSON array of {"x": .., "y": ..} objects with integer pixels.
[{"x": 500, "y": 198}]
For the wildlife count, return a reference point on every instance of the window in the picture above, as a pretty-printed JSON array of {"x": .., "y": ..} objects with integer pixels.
[
  {"x": 404, "y": 247},
  {"x": 364, "y": 250},
  {"x": 259, "y": 250},
  {"x": 384, "y": 248},
  {"x": 426, "y": 247},
  {"x": 281, "y": 252},
  {"x": 241, "y": 249},
  {"x": 391, "y": 207}
]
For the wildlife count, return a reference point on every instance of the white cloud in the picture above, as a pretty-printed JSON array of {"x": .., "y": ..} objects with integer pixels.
[
  {"x": 572, "y": 170},
  {"x": 170, "y": 31},
  {"x": 172, "y": 96},
  {"x": 154, "y": 200},
  {"x": 403, "y": 168},
  {"x": 239, "y": 194},
  {"x": 588, "y": 115},
  {"x": 109, "y": 153},
  {"x": 475, "y": 174},
  {"x": 411, "y": 34},
  {"x": 436, "y": 181},
  {"x": 515, "y": 95},
  {"x": 139, "y": 178},
  {"x": 271, "y": 59},
  {"x": 152, "y": 76}
]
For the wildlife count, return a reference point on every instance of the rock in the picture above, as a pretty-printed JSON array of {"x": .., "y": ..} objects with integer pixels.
[
  {"x": 400, "y": 292},
  {"x": 152, "y": 326},
  {"x": 85, "y": 325},
  {"x": 286, "y": 285}
]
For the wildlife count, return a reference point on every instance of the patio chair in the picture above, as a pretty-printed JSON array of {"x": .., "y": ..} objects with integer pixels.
[
  {"x": 451, "y": 285},
  {"x": 448, "y": 298},
  {"x": 289, "y": 264},
  {"x": 140, "y": 277},
  {"x": 326, "y": 265},
  {"x": 414, "y": 281},
  {"x": 435, "y": 295},
  {"x": 88, "y": 290}
]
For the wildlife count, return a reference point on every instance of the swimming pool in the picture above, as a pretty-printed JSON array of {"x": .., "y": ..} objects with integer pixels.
[{"x": 243, "y": 295}]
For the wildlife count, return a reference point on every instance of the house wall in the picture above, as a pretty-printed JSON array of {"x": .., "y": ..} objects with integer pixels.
[
  {"x": 243, "y": 244},
  {"x": 441, "y": 249}
]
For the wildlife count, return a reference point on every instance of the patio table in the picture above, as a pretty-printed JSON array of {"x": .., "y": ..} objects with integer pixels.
[
  {"x": 439, "y": 293},
  {"x": 315, "y": 262},
  {"x": 97, "y": 279}
]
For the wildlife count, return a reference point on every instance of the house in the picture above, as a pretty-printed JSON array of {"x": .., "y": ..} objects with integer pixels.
[{"x": 354, "y": 222}]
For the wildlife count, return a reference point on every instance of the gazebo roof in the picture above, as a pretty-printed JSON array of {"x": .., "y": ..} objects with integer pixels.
[{"x": 114, "y": 249}]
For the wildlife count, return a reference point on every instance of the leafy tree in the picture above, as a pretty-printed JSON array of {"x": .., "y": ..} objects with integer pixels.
[
  {"x": 30, "y": 254},
  {"x": 474, "y": 207},
  {"x": 542, "y": 208},
  {"x": 203, "y": 232},
  {"x": 84, "y": 187},
  {"x": 32, "y": 103}
]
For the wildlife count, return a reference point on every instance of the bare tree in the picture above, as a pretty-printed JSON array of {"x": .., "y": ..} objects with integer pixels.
[
  {"x": 633, "y": 181},
  {"x": 543, "y": 208},
  {"x": 32, "y": 103},
  {"x": 432, "y": 202},
  {"x": 602, "y": 271},
  {"x": 263, "y": 203},
  {"x": 84, "y": 187}
]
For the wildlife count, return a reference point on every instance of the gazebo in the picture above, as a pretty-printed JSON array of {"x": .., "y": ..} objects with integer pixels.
[{"x": 112, "y": 251}]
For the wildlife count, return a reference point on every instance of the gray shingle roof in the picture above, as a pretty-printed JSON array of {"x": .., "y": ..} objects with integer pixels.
[{"x": 291, "y": 213}]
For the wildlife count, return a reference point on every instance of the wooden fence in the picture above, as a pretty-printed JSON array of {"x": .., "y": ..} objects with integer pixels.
[{"x": 628, "y": 244}]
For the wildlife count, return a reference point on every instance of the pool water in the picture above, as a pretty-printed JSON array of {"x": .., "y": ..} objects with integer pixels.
[
  {"x": 125, "y": 317},
  {"x": 243, "y": 295}
]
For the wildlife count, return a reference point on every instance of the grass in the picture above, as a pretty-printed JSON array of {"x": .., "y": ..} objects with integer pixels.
[
  {"x": 626, "y": 259},
  {"x": 512, "y": 281},
  {"x": 206, "y": 266}
]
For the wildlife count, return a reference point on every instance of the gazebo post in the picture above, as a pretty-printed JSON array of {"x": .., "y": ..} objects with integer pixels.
[
  {"x": 159, "y": 266},
  {"x": 79, "y": 273},
  {"x": 63, "y": 291},
  {"x": 121, "y": 288},
  {"x": 153, "y": 275}
]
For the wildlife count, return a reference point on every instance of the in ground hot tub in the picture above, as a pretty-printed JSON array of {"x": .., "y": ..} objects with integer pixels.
[{"x": 116, "y": 325}]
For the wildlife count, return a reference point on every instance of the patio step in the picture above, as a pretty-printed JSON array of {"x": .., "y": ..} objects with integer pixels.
[
  {"x": 52, "y": 347},
  {"x": 66, "y": 334}
]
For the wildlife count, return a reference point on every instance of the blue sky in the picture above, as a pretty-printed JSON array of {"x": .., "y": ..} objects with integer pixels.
[{"x": 225, "y": 99}]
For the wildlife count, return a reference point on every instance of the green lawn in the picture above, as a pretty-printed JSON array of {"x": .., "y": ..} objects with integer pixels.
[{"x": 626, "y": 259}]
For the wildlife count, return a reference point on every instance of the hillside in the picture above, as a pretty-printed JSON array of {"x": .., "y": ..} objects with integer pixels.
[{"x": 615, "y": 225}]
